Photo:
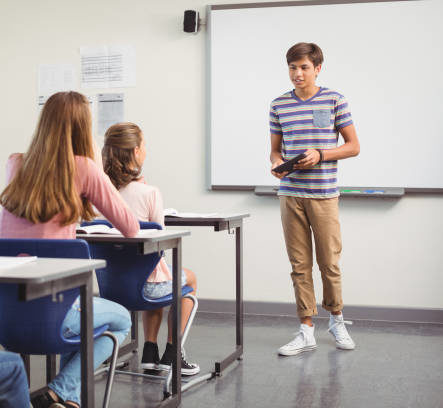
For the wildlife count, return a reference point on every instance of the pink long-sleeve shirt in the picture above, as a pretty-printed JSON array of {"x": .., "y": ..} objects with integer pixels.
[{"x": 92, "y": 183}]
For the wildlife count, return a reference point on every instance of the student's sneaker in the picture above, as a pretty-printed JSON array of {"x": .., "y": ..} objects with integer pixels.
[
  {"x": 187, "y": 368},
  {"x": 42, "y": 401},
  {"x": 304, "y": 341},
  {"x": 150, "y": 358},
  {"x": 46, "y": 401},
  {"x": 338, "y": 329}
]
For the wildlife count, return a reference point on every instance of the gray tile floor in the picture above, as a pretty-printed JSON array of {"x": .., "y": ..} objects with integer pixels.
[{"x": 394, "y": 365}]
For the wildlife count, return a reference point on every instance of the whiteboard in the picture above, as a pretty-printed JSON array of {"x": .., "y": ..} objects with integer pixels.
[{"x": 385, "y": 57}]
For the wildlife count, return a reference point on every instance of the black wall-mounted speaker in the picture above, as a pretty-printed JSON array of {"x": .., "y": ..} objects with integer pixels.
[{"x": 191, "y": 21}]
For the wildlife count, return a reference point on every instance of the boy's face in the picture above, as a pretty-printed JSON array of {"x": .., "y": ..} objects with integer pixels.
[{"x": 302, "y": 73}]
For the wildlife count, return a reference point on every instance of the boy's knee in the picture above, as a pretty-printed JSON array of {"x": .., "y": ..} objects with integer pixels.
[
  {"x": 301, "y": 270},
  {"x": 330, "y": 270}
]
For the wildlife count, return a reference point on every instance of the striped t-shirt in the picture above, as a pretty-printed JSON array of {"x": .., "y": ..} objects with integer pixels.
[{"x": 310, "y": 124}]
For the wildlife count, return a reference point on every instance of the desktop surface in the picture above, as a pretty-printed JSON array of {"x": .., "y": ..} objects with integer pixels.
[{"x": 47, "y": 269}]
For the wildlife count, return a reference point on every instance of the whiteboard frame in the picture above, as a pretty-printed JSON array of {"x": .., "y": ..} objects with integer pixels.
[{"x": 208, "y": 81}]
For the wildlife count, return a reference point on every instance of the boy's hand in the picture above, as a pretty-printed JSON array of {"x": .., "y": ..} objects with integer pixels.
[
  {"x": 311, "y": 159},
  {"x": 274, "y": 165}
]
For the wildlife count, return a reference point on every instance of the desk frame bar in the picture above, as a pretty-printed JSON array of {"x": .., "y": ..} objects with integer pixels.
[
  {"x": 134, "y": 330},
  {"x": 87, "y": 345},
  {"x": 239, "y": 285},
  {"x": 27, "y": 363},
  {"x": 237, "y": 354},
  {"x": 51, "y": 367},
  {"x": 176, "y": 320}
]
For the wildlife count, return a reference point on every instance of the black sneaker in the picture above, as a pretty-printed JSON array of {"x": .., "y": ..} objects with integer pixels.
[
  {"x": 150, "y": 357},
  {"x": 46, "y": 401},
  {"x": 187, "y": 368}
]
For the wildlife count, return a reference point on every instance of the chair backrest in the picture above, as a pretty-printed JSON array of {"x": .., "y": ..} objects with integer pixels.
[
  {"x": 126, "y": 270},
  {"x": 34, "y": 327}
]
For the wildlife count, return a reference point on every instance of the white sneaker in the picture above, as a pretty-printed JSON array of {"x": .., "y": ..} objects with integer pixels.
[
  {"x": 338, "y": 329},
  {"x": 304, "y": 341}
]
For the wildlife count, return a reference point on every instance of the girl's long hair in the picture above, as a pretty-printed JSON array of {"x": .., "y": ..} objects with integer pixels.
[
  {"x": 119, "y": 161},
  {"x": 44, "y": 184}
]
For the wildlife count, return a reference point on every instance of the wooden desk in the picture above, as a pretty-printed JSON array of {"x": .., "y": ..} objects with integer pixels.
[
  {"x": 48, "y": 276},
  {"x": 223, "y": 222},
  {"x": 157, "y": 241}
]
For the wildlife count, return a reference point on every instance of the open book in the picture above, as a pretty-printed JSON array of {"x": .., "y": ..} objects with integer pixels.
[
  {"x": 172, "y": 212},
  {"x": 97, "y": 229},
  {"x": 104, "y": 229}
]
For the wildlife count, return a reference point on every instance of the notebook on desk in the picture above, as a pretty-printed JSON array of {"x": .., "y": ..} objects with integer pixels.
[{"x": 172, "y": 212}]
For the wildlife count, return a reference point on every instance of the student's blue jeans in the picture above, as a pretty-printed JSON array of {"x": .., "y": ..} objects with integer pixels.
[
  {"x": 14, "y": 392},
  {"x": 67, "y": 383}
]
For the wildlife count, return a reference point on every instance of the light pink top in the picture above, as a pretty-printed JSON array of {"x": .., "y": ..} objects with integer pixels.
[
  {"x": 92, "y": 183},
  {"x": 147, "y": 204}
]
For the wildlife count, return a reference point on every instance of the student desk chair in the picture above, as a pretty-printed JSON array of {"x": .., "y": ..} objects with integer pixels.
[{"x": 34, "y": 327}]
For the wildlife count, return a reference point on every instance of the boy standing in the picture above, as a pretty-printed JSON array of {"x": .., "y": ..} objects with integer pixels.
[{"x": 307, "y": 120}]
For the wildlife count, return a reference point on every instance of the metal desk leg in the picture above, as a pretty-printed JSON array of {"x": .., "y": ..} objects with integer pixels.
[
  {"x": 50, "y": 367},
  {"x": 27, "y": 363},
  {"x": 239, "y": 287},
  {"x": 87, "y": 345},
  {"x": 176, "y": 321},
  {"x": 237, "y": 354},
  {"x": 174, "y": 400},
  {"x": 134, "y": 331}
]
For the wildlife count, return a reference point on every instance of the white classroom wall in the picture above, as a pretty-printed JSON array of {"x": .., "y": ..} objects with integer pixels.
[{"x": 393, "y": 250}]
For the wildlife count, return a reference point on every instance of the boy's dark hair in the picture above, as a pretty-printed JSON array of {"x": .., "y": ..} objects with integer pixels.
[{"x": 302, "y": 49}]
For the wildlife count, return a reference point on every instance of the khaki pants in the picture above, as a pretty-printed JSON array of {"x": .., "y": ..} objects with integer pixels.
[{"x": 299, "y": 216}]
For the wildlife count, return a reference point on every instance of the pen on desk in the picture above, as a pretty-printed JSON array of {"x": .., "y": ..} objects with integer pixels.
[
  {"x": 351, "y": 191},
  {"x": 374, "y": 191}
]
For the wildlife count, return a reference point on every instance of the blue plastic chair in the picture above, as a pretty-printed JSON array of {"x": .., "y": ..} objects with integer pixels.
[
  {"x": 124, "y": 276},
  {"x": 34, "y": 327}
]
